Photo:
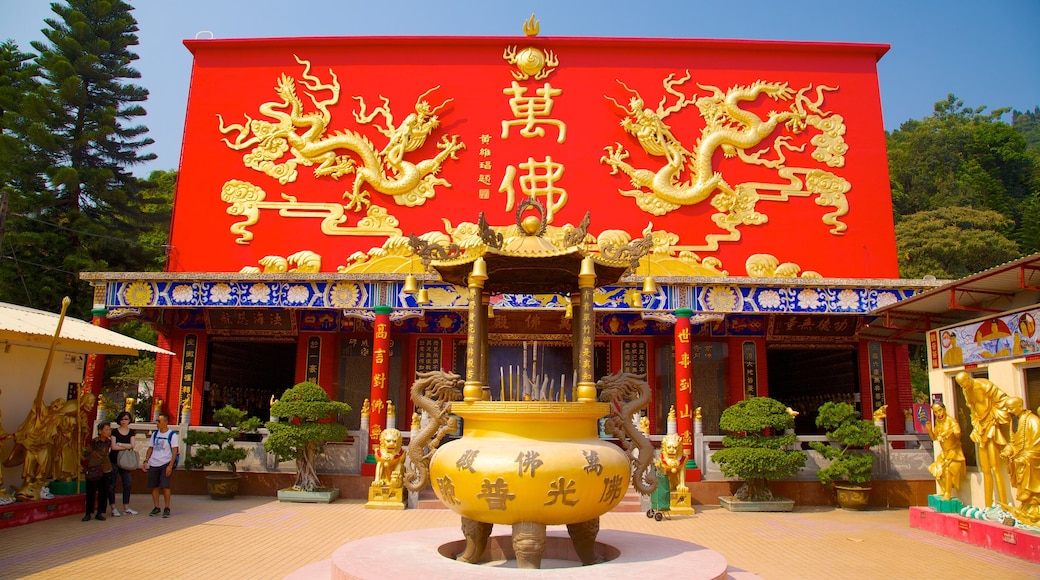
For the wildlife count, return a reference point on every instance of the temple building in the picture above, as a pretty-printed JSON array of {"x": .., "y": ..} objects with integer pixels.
[{"x": 734, "y": 196}]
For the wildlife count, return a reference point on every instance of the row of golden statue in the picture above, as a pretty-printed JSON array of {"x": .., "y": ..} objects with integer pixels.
[
  {"x": 1005, "y": 431},
  {"x": 47, "y": 445}
]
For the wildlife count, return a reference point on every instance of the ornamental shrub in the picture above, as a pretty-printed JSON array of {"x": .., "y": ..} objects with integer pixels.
[
  {"x": 307, "y": 420},
  {"x": 851, "y": 460},
  {"x": 755, "y": 446},
  {"x": 210, "y": 447}
]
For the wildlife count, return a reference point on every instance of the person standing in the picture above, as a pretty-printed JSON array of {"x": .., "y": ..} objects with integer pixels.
[
  {"x": 98, "y": 470},
  {"x": 163, "y": 448},
  {"x": 122, "y": 439}
]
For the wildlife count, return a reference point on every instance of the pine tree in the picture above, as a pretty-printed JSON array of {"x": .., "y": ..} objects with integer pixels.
[
  {"x": 87, "y": 114},
  {"x": 22, "y": 182}
]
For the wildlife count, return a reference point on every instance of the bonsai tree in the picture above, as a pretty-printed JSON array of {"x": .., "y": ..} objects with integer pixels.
[
  {"x": 210, "y": 447},
  {"x": 307, "y": 420},
  {"x": 755, "y": 446},
  {"x": 852, "y": 433}
]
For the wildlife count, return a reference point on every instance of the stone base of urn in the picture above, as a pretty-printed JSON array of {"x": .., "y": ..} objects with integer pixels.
[{"x": 429, "y": 553}]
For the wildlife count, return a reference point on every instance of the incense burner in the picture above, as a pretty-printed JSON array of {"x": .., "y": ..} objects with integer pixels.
[{"x": 530, "y": 461}]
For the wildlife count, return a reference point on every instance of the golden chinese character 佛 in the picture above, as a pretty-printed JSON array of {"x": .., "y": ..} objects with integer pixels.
[{"x": 540, "y": 181}]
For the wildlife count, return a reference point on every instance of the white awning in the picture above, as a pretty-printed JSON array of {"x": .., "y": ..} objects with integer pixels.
[{"x": 23, "y": 326}]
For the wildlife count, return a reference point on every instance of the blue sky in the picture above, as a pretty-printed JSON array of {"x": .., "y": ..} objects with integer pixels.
[{"x": 986, "y": 53}]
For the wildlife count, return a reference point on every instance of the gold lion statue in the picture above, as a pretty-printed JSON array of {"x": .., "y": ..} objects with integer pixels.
[
  {"x": 673, "y": 463},
  {"x": 389, "y": 460}
]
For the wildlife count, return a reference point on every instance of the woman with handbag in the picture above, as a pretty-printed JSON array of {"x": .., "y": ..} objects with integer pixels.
[
  {"x": 97, "y": 469},
  {"x": 124, "y": 460}
]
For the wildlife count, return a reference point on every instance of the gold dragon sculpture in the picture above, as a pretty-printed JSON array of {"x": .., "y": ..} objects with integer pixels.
[
  {"x": 688, "y": 175},
  {"x": 305, "y": 138},
  {"x": 629, "y": 393},
  {"x": 433, "y": 392}
]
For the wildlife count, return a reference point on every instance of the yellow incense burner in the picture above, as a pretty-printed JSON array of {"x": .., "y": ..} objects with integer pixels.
[
  {"x": 530, "y": 461},
  {"x": 524, "y": 463}
]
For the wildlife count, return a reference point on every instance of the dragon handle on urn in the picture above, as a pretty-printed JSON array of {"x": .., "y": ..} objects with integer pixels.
[
  {"x": 628, "y": 393},
  {"x": 432, "y": 392}
]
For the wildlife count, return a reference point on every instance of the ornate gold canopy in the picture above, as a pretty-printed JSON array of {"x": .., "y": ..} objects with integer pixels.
[{"x": 530, "y": 262}]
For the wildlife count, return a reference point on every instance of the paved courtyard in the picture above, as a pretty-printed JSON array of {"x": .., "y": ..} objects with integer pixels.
[{"x": 258, "y": 537}]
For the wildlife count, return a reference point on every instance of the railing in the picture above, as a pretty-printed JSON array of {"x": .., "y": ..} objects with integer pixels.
[
  {"x": 341, "y": 457},
  {"x": 899, "y": 457}
]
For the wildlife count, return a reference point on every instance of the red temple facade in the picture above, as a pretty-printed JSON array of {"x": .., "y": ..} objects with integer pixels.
[{"x": 757, "y": 169}]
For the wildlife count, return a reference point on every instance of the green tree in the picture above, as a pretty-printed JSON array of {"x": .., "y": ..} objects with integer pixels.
[
  {"x": 952, "y": 242},
  {"x": 756, "y": 447},
  {"x": 1029, "y": 236},
  {"x": 307, "y": 420},
  {"x": 211, "y": 447},
  {"x": 18, "y": 78},
  {"x": 83, "y": 124},
  {"x": 157, "y": 209},
  {"x": 853, "y": 435},
  {"x": 965, "y": 157},
  {"x": 1027, "y": 124},
  {"x": 21, "y": 175}
]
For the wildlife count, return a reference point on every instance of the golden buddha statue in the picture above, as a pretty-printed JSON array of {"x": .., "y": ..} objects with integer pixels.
[
  {"x": 989, "y": 420},
  {"x": 948, "y": 467},
  {"x": 1023, "y": 455},
  {"x": 65, "y": 446}
]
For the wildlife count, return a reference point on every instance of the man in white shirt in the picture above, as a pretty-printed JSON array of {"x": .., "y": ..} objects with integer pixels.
[{"x": 163, "y": 448}]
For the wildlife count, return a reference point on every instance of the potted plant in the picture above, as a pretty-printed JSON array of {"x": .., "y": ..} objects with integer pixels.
[
  {"x": 307, "y": 420},
  {"x": 217, "y": 447},
  {"x": 756, "y": 452},
  {"x": 852, "y": 463}
]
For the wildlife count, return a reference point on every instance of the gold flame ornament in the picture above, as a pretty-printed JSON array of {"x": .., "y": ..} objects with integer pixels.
[
  {"x": 531, "y": 62},
  {"x": 531, "y": 26}
]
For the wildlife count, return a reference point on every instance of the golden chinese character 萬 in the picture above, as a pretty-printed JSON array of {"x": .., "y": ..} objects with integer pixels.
[{"x": 529, "y": 112}]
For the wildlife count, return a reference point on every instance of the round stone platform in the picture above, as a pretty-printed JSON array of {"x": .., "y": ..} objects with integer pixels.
[{"x": 418, "y": 554}]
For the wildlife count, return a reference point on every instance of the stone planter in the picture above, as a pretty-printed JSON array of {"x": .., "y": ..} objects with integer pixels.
[
  {"x": 327, "y": 495},
  {"x": 222, "y": 485},
  {"x": 852, "y": 498},
  {"x": 731, "y": 503}
]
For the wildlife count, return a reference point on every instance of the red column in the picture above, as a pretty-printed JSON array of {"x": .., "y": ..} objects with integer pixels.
[
  {"x": 684, "y": 383},
  {"x": 380, "y": 382},
  {"x": 95, "y": 372}
]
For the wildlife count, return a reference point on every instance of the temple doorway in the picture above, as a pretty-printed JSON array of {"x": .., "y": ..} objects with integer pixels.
[
  {"x": 246, "y": 375},
  {"x": 804, "y": 379}
]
